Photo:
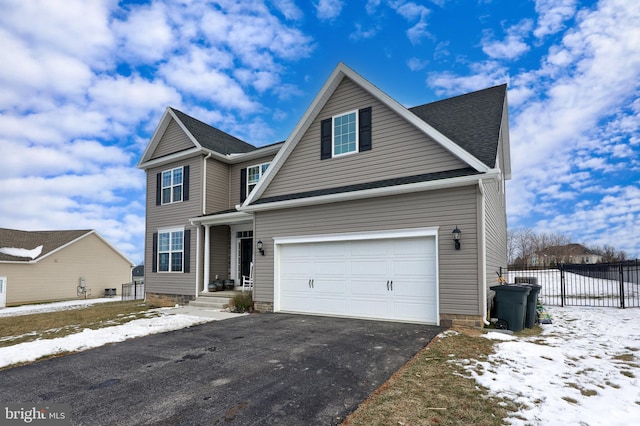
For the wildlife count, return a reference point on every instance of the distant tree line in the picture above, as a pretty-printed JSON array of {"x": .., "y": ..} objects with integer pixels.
[{"x": 522, "y": 243}]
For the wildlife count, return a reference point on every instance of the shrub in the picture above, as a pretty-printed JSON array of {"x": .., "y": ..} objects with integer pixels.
[{"x": 241, "y": 303}]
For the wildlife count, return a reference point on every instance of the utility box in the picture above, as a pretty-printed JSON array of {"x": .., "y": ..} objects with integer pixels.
[{"x": 511, "y": 305}]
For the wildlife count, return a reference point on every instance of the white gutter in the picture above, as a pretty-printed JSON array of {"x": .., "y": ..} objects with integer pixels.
[
  {"x": 483, "y": 265},
  {"x": 369, "y": 193}
]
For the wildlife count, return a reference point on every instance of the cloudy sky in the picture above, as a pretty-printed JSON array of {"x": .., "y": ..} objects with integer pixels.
[{"x": 84, "y": 83}]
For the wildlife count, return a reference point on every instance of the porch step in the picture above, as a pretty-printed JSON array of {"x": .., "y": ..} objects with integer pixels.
[{"x": 218, "y": 300}]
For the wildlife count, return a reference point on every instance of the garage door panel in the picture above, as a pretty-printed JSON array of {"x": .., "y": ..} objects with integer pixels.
[
  {"x": 361, "y": 288},
  {"x": 415, "y": 311},
  {"x": 370, "y": 308},
  {"x": 337, "y": 267},
  {"x": 327, "y": 285},
  {"x": 351, "y": 278},
  {"x": 369, "y": 268},
  {"x": 329, "y": 305}
]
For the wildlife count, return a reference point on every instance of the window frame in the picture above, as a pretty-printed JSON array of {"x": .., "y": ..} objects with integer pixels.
[
  {"x": 356, "y": 149},
  {"x": 172, "y": 186},
  {"x": 171, "y": 250},
  {"x": 261, "y": 171}
]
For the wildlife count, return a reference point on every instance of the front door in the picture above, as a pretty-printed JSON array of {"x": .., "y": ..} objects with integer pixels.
[
  {"x": 246, "y": 256},
  {"x": 3, "y": 292}
]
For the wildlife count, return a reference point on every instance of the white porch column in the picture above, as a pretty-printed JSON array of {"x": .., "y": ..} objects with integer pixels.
[{"x": 207, "y": 256}]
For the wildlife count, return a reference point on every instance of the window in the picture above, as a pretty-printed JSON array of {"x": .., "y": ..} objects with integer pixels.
[
  {"x": 346, "y": 133},
  {"x": 170, "y": 251},
  {"x": 254, "y": 173},
  {"x": 345, "y": 139},
  {"x": 172, "y": 186}
]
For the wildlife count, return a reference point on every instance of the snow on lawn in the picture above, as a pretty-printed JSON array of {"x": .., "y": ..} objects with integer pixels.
[
  {"x": 55, "y": 306},
  {"x": 584, "y": 369},
  {"x": 87, "y": 339}
]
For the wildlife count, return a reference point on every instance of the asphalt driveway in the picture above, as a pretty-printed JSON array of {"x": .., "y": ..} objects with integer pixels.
[{"x": 250, "y": 370}]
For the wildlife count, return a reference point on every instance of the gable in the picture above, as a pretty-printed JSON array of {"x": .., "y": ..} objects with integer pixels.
[
  {"x": 173, "y": 140},
  {"x": 398, "y": 149}
]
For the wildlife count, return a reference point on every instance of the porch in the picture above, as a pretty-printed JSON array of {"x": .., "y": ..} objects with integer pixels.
[{"x": 225, "y": 249}]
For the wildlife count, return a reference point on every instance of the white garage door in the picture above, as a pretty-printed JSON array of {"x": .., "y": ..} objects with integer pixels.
[{"x": 391, "y": 279}]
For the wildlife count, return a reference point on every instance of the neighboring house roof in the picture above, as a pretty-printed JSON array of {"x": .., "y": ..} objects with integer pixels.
[
  {"x": 566, "y": 250},
  {"x": 471, "y": 120},
  {"x": 51, "y": 242},
  {"x": 138, "y": 271}
]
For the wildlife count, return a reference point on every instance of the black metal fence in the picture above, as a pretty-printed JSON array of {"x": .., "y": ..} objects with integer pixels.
[
  {"x": 602, "y": 284},
  {"x": 132, "y": 291}
]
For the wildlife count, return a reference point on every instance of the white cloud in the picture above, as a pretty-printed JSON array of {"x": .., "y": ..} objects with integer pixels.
[
  {"x": 75, "y": 28},
  {"x": 328, "y": 9},
  {"x": 196, "y": 75},
  {"x": 513, "y": 46},
  {"x": 552, "y": 15},
  {"x": 417, "y": 64},
  {"x": 289, "y": 9},
  {"x": 485, "y": 74},
  {"x": 412, "y": 11},
  {"x": 145, "y": 35},
  {"x": 129, "y": 100}
]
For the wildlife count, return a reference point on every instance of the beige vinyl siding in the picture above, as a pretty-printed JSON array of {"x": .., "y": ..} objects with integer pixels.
[
  {"x": 234, "y": 181},
  {"x": 219, "y": 255},
  {"x": 217, "y": 186},
  {"x": 496, "y": 231},
  {"x": 399, "y": 149},
  {"x": 56, "y": 277},
  {"x": 173, "y": 140},
  {"x": 169, "y": 216},
  {"x": 459, "y": 287}
]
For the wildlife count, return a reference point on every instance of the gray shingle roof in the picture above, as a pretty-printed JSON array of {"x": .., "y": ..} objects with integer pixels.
[
  {"x": 211, "y": 138},
  {"x": 50, "y": 240},
  {"x": 472, "y": 120}
]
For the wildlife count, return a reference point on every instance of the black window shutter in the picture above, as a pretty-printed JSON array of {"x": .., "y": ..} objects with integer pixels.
[
  {"x": 187, "y": 251},
  {"x": 365, "y": 129},
  {"x": 325, "y": 139},
  {"x": 243, "y": 185},
  {"x": 154, "y": 258},
  {"x": 185, "y": 183},
  {"x": 158, "y": 189}
]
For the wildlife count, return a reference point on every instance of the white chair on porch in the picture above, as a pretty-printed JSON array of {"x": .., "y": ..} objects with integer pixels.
[{"x": 247, "y": 281}]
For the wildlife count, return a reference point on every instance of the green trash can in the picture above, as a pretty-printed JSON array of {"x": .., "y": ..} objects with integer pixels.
[
  {"x": 531, "y": 316},
  {"x": 511, "y": 304}
]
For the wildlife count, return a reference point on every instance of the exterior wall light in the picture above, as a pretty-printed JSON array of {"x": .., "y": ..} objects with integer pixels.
[
  {"x": 456, "y": 237},
  {"x": 260, "y": 247}
]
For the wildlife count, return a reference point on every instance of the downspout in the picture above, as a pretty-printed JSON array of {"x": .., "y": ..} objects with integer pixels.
[{"x": 483, "y": 241}]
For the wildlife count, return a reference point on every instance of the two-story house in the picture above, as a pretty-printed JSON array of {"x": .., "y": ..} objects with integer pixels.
[{"x": 369, "y": 209}]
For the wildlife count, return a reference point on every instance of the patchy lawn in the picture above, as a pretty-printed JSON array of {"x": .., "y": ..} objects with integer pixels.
[{"x": 431, "y": 389}]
